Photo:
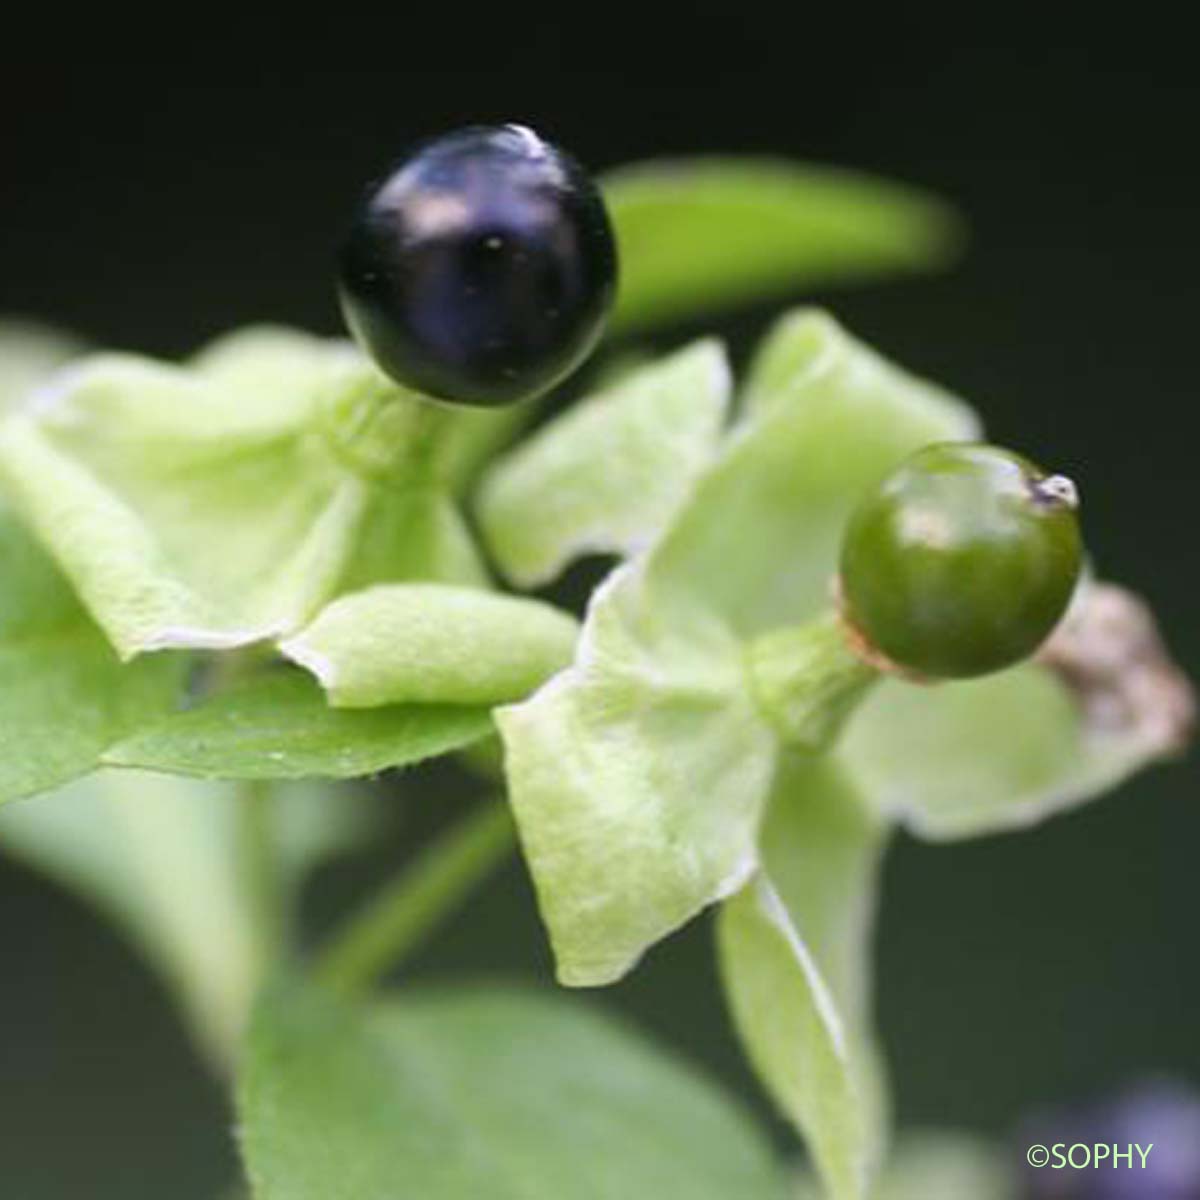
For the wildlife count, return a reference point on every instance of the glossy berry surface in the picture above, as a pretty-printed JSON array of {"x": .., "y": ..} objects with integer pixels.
[
  {"x": 961, "y": 562},
  {"x": 481, "y": 270}
]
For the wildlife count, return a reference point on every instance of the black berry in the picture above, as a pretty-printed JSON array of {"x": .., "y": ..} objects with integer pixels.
[{"x": 481, "y": 269}]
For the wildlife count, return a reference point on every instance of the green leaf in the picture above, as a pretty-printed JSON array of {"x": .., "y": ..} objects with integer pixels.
[
  {"x": 223, "y": 502},
  {"x": 608, "y": 475},
  {"x": 497, "y": 1094},
  {"x": 280, "y": 726},
  {"x": 64, "y": 696},
  {"x": 158, "y": 855},
  {"x": 638, "y": 777},
  {"x": 794, "y": 954},
  {"x": 701, "y": 234},
  {"x": 1008, "y": 750},
  {"x": 28, "y": 352},
  {"x": 432, "y": 644}
]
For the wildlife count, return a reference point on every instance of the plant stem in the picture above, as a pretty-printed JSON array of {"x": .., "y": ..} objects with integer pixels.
[
  {"x": 267, "y": 888},
  {"x": 808, "y": 680},
  {"x": 387, "y": 433},
  {"x": 396, "y": 920}
]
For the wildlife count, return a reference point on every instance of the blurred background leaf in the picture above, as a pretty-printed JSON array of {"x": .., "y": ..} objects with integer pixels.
[
  {"x": 160, "y": 856},
  {"x": 472, "y": 1093},
  {"x": 930, "y": 1165},
  {"x": 699, "y": 235}
]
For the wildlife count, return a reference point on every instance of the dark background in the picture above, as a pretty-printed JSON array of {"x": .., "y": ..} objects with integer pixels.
[{"x": 1015, "y": 971}]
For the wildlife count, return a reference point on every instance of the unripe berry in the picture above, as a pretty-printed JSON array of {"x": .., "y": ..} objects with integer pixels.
[{"x": 961, "y": 561}]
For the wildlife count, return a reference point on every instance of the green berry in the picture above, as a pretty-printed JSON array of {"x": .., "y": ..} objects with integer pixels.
[{"x": 961, "y": 562}]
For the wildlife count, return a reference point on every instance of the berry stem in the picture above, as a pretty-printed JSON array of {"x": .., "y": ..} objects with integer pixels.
[
  {"x": 808, "y": 680},
  {"x": 394, "y": 922},
  {"x": 385, "y": 433}
]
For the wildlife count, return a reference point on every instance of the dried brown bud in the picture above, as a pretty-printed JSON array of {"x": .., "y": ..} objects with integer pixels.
[{"x": 1109, "y": 652}]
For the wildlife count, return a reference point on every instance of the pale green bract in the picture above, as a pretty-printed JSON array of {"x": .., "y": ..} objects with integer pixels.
[
  {"x": 432, "y": 644},
  {"x": 638, "y": 777},
  {"x": 64, "y": 696},
  {"x": 479, "y": 1093},
  {"x": 606, "y": 477},
  {"x": 225, "y": 501},
  {"x": 1007, "y": 751},
  {"x": 826, "y": 418},
  {"x": 700, "y": 234},
  {"x": 28, "y": 352},
  {"x": 795, "y": 952}
]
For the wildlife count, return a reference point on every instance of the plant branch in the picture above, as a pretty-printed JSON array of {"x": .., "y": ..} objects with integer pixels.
[
  {"x": 266, "y": 887},
  {"x": 411, "y": 905}
]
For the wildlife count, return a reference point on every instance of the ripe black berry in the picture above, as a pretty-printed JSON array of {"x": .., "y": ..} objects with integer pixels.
[{"x": 481, "y": 269}]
